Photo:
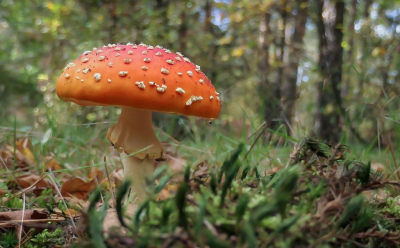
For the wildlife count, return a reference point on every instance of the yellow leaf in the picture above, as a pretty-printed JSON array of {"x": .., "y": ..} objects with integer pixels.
[
  {"x": 225, "y": 40},
  {"x": 376, "y": 51},
  {"x": 237, "y": 52},
  {"x": 53, "y": 165},
  {"x": 22, "y": 146}
]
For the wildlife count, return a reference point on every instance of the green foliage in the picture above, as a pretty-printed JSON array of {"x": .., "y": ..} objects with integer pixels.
[
  {"x": 303, "y": 197},
  {"x": 8, "y": 240},
  {"x": 392, "y": 206},
  {"x": 47, "y": 239},
  {"x": 14, "y": 202}
]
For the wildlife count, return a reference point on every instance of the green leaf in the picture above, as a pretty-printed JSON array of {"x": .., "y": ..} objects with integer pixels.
[{"x": 161, "y": 183}]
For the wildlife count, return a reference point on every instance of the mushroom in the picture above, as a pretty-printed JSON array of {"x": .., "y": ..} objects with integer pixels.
[{"x": 139, "y": 80}]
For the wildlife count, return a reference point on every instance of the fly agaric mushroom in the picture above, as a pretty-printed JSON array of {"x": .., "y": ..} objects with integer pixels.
[{"x": 139, "y": 79}]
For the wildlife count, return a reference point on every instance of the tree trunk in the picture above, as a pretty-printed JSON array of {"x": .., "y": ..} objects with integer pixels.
[
  {"x": 289, "y": 87},
  {"x": 365, "y": 48},
  {"x": 269, "y": 90},
  {"x": 350, "y": 31},
  {"x": 328, "y": 119},
  {"x": 183, "y": 28}
]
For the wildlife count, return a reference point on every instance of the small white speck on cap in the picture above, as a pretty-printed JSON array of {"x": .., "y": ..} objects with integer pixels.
[
  {"x": 197, "y": 68},
  {"x": 201, "y": 81},
  {"x": 101, "y": 58},
  {"x": 199, "y": 98},
  {"x": 170, "y": 61},
  {"x": 186, "y": 59},
  {"x": 194, "y": 98},
  {"x": 147, "y": 60},
  {"x": 129, "y": 44},
  {"x": 189, "y": 102},
  {"x": 94, "y": 48},
  {"x": 109, "y": 80},
  {"x": 217, "y": 93},
  {"x": 69, "y": 65},
  {"x": 180, "y": 73},
  {"x": 86, "y": 70},
  {"x": 180, "y": 54},
  {"x": 162, "y": 88},
  {"x": 110, "y": 64},
  {"x": 190, "y": 73},
  {"x": 99, "y": 51},
  {"x": 152, "y": 83},
  {"x": 79, "y": 70},
  {"x": 97, "y": 76},
  {"x": 86, "y": 52},
  {"x": 142, "y": 44},
  {"x": 130, "y": 52},
  {"x": 84, "y": 60},
  {"x": 134, "y": 46},
  {"x": 218, "y": 98},
  {"x": 158, "y": 46},
  {"x": 123, "y": 73},
  {"x": 164, "y": 71},
  {"x": 159, "y": 54},
  {"x": 67, "y": 75},
  {"x": 167, "y": 51},
  {"x": 178, "y": 58},
  {"x": 117, "y": 54},
  {"x": 145, "y": 68},
  {"x": 144, "y": 52},
  {"x": 141, "y": 85},
  {"x": 127, "y": 61},
  {"x": 211, "y": 97},
  {"x": 82, "y": 80},
  {"x": 117, "y": 49},
  {"x": 77, "y": 78},
  {"x": 180, "y": 90},
  {"x": 150, "y": 47}
]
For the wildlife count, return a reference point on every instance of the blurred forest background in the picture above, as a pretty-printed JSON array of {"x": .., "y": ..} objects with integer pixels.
[{"x": 328, "y": 68}]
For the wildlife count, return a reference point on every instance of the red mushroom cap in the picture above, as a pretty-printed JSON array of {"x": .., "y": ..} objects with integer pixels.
[{"x": 139, "y": 76}]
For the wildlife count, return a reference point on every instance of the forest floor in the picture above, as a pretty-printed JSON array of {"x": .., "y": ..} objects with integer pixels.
[{"x": 56, "y": 189}]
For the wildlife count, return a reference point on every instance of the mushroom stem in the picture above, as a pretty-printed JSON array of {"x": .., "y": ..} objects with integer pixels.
[
  {"x": 136, "y": 170},
  {"x": 131, "y": 134}
]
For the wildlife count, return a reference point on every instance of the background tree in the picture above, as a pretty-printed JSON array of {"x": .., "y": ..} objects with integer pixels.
[{"x": 275, "y": 61}]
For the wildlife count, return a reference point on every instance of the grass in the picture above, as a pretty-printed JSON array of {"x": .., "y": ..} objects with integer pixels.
[{"x": 228, "y": 200}]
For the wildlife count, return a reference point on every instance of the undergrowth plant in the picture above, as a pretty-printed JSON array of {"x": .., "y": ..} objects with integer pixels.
[{"x": 320, "y": 199}]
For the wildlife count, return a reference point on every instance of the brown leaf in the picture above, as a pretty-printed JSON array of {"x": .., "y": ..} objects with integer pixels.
[
  {"x": 27, "y": 214},
  {"x": 78, "y": 188},
  {"x": 53, "y": 165},
  {"x": 34, "y": 181},
  {"x": 7, "y": 154},
  {"x": 23, "y": 146},
  {"x": 94, "y": 172},
  {"x": 69, "y": 212}
]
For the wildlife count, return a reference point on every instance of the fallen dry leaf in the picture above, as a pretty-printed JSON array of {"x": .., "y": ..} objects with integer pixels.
[
  {"x": 94, "y": 172},
  {"x": 34, "y": 181},
  {"x": 78, "y": 188},
  {"x": 7, "y": 155},
  {"x": 52, "y": 164},
  {"x": 27, "y": 215},
  {"x": 69, "y": 212},
  {"x": 23, "y": 146}
]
